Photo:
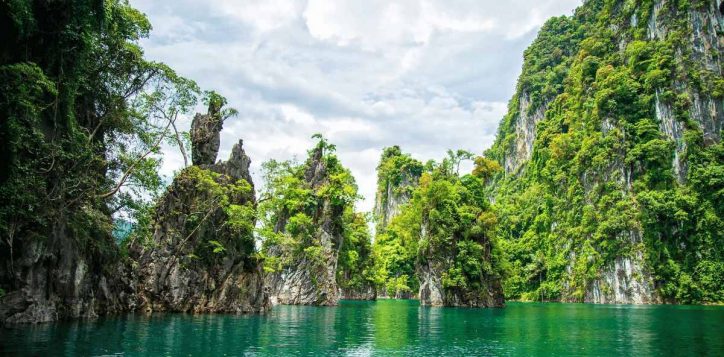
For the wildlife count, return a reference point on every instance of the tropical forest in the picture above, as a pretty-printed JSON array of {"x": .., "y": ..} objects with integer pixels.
[{"x": 259, "y": 179}]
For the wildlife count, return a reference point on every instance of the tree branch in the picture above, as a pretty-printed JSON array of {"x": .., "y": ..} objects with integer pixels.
[
  {"x": 178, "y": 139},
  {"x": 130, "y": 170}
]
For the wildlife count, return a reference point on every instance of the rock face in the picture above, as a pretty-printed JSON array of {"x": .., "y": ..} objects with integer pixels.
[
  {"x": 205, "y": 135},
  {"x": 432, "y": 267},
  {"x": 687, "y": 41},
  {"x": 705, "y": 26},
  {"x": 309, "y": 277},
  {"x": 200, "y": 255},
  {"x": 526, "y": 121},
  {"x": 55, "y": 280},
  {"x": 398, "y": 175}
]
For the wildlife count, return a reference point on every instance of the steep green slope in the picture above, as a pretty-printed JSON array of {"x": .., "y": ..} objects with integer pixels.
[
  {"x": 397, "y": 177},
  {"x": 435, "y": 231},
  {"x": 311, "y": 235},
  {"x": 613, "y": 188},
  {"x": 79, "y": 107}
]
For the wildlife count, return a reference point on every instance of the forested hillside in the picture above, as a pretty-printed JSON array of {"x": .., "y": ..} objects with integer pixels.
[
  {"x": 605, "y": 183},
  {"x": 613, "y": 182},
  {"x": 82, "y": 118},
  {"x": 315, "y": 246},
  {"x": 435, "y": 231}
]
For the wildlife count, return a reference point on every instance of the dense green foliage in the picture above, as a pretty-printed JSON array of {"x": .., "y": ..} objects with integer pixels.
[
  {"x": 82, "y": 119},
  {"x": 297, "y": 199},
  {"x": 456, "y": 228},
  {"x": 600, "y": 184},
  {"x": 446, "y": 221},
  {"x": 213, "y": 217},
  {"x": 356, "y": 263},
  {"x": 623, "y": 167},
  {"x": 397, "y": 178}
]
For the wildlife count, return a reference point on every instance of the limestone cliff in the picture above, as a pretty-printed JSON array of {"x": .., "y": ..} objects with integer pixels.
[
  {"x": 397, "y": 176},
  {"x": 200, "y": 256},
  {"x": 310, "y": 237},
  {"x": 616, "y": 118},
  {"x": 56, "y": 278}
]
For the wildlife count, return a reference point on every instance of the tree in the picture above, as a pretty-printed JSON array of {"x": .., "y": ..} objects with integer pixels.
[
  {"x": 456, "y": 157},
  {"x": 485, "y": 168}
]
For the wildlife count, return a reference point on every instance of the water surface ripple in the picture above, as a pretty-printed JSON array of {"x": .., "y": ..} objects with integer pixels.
[{"x": 389, "y": 327}]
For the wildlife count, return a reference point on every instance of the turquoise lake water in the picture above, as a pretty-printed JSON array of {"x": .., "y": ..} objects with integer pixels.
[{"x": 389, "y": 327}]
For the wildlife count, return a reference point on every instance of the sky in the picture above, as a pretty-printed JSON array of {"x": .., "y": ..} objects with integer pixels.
[{"x": 427, "y": 75}]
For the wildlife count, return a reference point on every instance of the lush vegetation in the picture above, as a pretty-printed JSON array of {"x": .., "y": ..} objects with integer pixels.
[
  {"x": 456, "y": 228},
  {"x": 212, "y": 216},
  {"x": 301, "y": 205},
  {"x": 625, "y": 164},
  {"x": 83, "y": 116},
  {"x": 600, "y": 184},
  {"x": 397, "y": 177},
  {"x": 445, "y": 221}
]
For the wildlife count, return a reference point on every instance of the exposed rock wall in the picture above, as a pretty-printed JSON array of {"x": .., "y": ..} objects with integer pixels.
[
  {"x": 526, "y": 121},
  {"x": 200, "y": 258},
  {"x": 706, "y": 23},
  {"x": 393, "y": 197},
  {"x": 309, "y": 279},
  {"x": 206, "y": 135},
  {"x": 57, "y": 280}
]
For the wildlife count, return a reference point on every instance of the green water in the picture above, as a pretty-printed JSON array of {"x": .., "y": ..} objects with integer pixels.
[{"x": 390, "y": 327}]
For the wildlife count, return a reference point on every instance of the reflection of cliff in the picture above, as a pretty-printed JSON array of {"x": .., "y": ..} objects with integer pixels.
[{"x": 395, "y": 328}]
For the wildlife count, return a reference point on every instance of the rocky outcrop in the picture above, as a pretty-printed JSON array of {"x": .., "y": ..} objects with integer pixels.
[
  {"x": 433, "y": 293},
  {"x": 526, "y": 120},
  {"x": 393, "y": 196},
  {"x": 308, "y": 276},
  {"x": 398, "y": 175},
  {"x": 236, "y": 167},
  {"x": 205, "y": 135},
  {"x": 56, "y": 280},
  {"x": 200, "y": 255},
  {"x": 436, "y": 262}
]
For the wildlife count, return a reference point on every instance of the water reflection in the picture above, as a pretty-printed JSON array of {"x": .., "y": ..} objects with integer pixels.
[
  {"x": 389, "y": 327},
  {"x": 392, "y": 324}
]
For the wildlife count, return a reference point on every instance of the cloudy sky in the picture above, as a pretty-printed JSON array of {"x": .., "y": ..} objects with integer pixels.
[{"x": 428, "y": 75}]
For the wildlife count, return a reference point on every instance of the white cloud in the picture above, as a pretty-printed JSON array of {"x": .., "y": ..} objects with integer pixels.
[
  {"x": 263, "y": 15},
  {"x": 426, "y": 75}
]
